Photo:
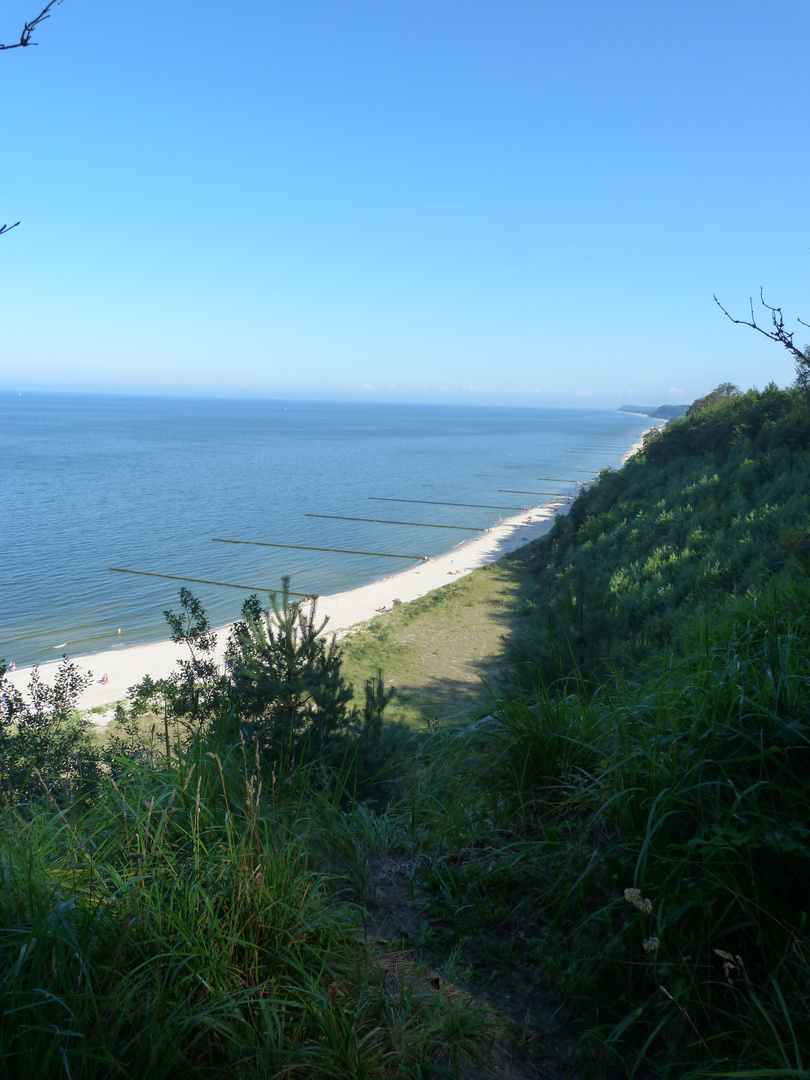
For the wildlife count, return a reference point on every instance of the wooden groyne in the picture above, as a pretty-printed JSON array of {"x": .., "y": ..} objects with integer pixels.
[
  {"x": 307, "y": 547},
  {"x": 512, "y": 491},
  {"x": 202, "y": 581},
  {"x": 436, "y": 502},
  {"x": 384, "y": 521}
]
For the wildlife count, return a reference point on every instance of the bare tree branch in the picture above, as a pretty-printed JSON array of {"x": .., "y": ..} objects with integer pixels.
[
  {"x": 779, "y": 333},
  {"x": 25, "y": 40},
  {"x": 30, "y": 27}
]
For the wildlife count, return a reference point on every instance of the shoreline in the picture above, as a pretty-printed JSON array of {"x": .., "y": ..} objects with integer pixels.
[
  {"x": 125, "y": 667},
  {"x": 634, "y": 449},
  {"x": 661, "y": 419}
]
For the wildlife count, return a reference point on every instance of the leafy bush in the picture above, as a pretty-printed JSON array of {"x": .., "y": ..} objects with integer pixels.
[
  {"x": 45, "y": 746},
  {"x": 286, "y": 679}
]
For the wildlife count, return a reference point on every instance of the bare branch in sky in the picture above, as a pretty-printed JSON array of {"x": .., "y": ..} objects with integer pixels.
[
  {"x": 29, "y": 28},
  {"x": 25, "y": 39},
  {"x": 779, "y": 334}
]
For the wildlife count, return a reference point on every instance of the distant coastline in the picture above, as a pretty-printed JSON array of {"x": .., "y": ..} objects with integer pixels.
[{"x": 657, "y": 412}]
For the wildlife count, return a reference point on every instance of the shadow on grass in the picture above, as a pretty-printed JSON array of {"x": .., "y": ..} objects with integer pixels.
[{"x": 443, "y": 652}]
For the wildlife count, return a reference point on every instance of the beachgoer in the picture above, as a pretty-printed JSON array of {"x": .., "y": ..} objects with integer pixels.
[
  {"x": 12, "y": 666},
  {"x": 105, "y": 678}
]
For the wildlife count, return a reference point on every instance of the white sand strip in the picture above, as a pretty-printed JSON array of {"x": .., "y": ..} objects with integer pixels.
[{"x": 125, "y": 667}]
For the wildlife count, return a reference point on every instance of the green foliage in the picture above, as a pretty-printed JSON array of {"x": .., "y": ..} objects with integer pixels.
[
  {"x": 632, "y": 817},
  {"x": 45, "y": 745},
  {"x": 373, "y": 767},
  {"x": 195, "y": 689},
  {"x": 646, "y": 842},
  {"x": 284, "y": 693},
  {"x": 178, "y": 927},
  {"x": 286, "y": 678},
  {"x": 188, "y": 702},
  {"x": 712, "y": 507},
  {"x": 718, "y": 396}
]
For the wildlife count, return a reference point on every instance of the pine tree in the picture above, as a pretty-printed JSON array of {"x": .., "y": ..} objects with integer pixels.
[{"x": 286, "y": 677}]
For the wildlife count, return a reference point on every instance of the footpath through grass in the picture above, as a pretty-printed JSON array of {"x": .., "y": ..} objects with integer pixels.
[
  {"x": 184, "y": 922},
  {"x": 625, "y": 836}
]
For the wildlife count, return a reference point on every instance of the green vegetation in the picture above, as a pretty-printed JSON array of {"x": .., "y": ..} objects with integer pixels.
[
  {"x": 43, "y": 734},
  {"x": 631, "y": 819},
  {"x": 178, "y": 925},
  {"x": 445, "y": 650},
  {"x": 286, "y": 677},
  {"x": 588, "y": 802},
  {"x": 713, "y": 507}
]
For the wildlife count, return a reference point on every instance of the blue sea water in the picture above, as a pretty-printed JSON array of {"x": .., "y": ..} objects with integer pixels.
[{"x": 146, "y": 483}]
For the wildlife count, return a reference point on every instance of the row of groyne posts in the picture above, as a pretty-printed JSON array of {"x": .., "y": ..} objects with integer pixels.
[{"x": 582, "y": 480}]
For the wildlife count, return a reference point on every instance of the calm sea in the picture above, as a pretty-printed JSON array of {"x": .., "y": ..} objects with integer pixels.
[{"x": 146, "y": 483}]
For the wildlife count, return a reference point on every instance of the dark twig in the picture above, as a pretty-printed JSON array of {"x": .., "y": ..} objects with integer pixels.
[
  {"x": 25, "y": 39},
  {"x": 779, "y": 333},
  {"x": 30, "y": 27}
]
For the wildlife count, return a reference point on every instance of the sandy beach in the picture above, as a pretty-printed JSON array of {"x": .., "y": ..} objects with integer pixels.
[{"x": 125, "y": 667}]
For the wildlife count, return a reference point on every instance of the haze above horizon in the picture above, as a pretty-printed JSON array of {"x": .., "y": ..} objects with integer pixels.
[{"x": 526, "y": 204}]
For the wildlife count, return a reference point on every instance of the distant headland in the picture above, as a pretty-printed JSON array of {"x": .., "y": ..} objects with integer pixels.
[{"x": 662, "y": 412}]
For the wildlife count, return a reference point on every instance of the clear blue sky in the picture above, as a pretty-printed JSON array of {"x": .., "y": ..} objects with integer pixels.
[{"x": 441, "y": 200}]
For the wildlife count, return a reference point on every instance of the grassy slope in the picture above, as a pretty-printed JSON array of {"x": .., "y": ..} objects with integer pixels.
[
  {"x": 630, "y": 841},
  {"x": 712, "y": 508},
  {"x": 635, "y": 831},
  {"x": 443, "y": 651}
]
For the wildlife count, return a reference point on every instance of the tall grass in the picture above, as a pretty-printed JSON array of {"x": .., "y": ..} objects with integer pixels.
[
  {"x": 645, "y": 842},
  {"x": 178, "y": 925}
]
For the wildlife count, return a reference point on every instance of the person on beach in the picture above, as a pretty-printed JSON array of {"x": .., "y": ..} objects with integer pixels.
[{"x": 105, "y": 678}]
